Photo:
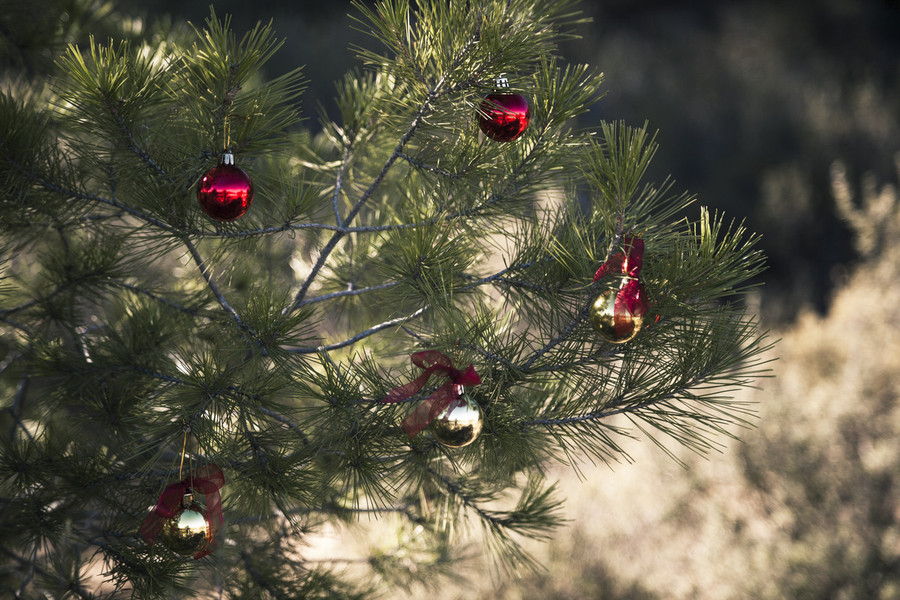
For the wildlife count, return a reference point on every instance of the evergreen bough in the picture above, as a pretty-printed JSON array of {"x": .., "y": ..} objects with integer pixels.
[{"x": 128, "y": 316}]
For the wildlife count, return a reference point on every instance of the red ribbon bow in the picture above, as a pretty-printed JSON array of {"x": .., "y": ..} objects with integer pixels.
[
  {"x": 426, "y": 412},
  {"x": 631, "y": 299},
  {"x": 207, "y": 480}
]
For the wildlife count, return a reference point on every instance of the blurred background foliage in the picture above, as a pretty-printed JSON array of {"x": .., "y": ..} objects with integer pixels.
[{"x": 786, "y": 113}]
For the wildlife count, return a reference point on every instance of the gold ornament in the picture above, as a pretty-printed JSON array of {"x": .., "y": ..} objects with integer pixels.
[
  {"x": 604, "y": 319},
  {"x": 188, "y": 531},
  {"x": 459, "y": 424}
]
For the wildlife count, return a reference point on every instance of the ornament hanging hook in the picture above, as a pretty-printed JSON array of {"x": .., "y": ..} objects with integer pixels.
[
  {"x": 226, "y": 131},
  {"x": 187, "y": 430}
]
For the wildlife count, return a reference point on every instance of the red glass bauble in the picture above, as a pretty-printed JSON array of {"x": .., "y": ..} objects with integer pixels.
[
  {"x": 503, "y": 117},
  {"x": 225, "y": 192}
]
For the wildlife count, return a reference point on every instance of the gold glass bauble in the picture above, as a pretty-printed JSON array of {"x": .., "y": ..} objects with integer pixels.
[
  {"x": 459, "y": 424},
  {"x": 603, "y": 319},
  {"x": 187, "y": 532}
]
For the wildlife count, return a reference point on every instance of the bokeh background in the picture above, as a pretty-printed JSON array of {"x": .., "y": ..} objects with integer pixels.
[{"x": 785, "y": 114}]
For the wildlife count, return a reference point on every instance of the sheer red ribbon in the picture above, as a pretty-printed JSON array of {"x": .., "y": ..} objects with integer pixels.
[
  {"x": 631, "y": 299},
  {"x": 426, "y": 412},
  {"x": 207, "y": 480}
]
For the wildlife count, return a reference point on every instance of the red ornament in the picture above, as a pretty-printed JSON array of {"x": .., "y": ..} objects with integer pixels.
[
  {"x": 503, "y": 116},
  {"x": 225, "y": 192}
]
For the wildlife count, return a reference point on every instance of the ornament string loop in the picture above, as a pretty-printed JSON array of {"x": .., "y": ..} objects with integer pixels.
[
  {"x": 426, "y": 412},
  {"x": 187, "y": 430},
  {"x": 631, "y": 299},
  {"x": 207, "y": 480}
]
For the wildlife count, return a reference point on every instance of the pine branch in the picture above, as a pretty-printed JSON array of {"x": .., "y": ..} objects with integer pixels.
[
  {"x": 339, "y": 185},
  {"x": 257, "y": 577},
  {"x": 256, "y": 399},
  {"x": 432, "y": 169},
  {"x": 33, "y": 566},
  {"x": 563, "y": 335},
  {"x": 534, "y": 515},
  {"x": 361, "y": 335},
  {"x": 210, "y": 282},
  {"x": 336, "y": 237},
  {"x": 131, "y": 143},
  {"x": 350, "y": 292},
  {"x": 72, "y": 194},
  {"x": 139, "y": 290}
]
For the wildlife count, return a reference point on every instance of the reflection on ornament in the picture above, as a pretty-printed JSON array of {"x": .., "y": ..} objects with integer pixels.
[
  {"x": 503, "y": 116},
  {"x": 615, "y": 324},
  {"x": 188, "y": 531},
  {"x": 459, "y": 424},
  {"x": 225, "y": 192}
]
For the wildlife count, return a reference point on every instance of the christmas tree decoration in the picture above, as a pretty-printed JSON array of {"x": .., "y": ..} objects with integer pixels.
[
  {"x": 394, "y": 238},
  {"x": 188, "y": 531},
  {"x": 611, "y": 321},
  {"x": 460, "y": 423},
  {"x": 435, "y": 404},
  {"x": 503, "y": 116},
  {"x": 617, "y": 314},
  {"x": 225, "y": 192},
  {"x": 181, "y": 524}
]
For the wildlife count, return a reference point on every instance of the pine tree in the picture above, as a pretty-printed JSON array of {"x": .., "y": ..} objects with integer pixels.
[{"x": 144, "y": 341}]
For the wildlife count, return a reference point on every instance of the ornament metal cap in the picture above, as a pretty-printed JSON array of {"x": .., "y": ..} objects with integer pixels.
[
  {"x": 227, "y": 158},
  {"x": 502, "y": 81}
]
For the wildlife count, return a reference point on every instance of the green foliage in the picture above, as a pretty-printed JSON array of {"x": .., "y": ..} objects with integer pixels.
[{"x": 142, "y": 338}]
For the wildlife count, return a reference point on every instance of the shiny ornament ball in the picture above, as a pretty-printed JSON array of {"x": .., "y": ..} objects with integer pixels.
[
  {"x": 225, "y": 192},
  {"x": 188, "y": 532},
  {"x": 614, "y": 324},
  {"x": 503, "y": 117},
  {"x": 459, "y": 424}
]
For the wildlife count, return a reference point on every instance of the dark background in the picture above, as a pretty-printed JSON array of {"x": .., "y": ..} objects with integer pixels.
[{"x": 754, "y": 101}]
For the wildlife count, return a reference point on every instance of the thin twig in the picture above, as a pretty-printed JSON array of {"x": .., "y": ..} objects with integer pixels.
[
  {"x": 338, "y": 235},
  {"x": 582, "y": 315},
  {"x": 204, "y": 271},
  {"x": 282, "y": 419},
  {"x": 455, "y": 489},
  {"x": 133, "y": 146},
  {"x": 352, "y": 292},
  {"x": 158, "y": 298},
  {"x": 420, "y": 165},
  {"x": 16, "y": 324},
  {"x": 359, "y": 336},
  {"x": 258, "y": 578},
  {"x": 339, "y": 184},
  {"x": 16, "y": 409},
  {"x": 67, "y": 584}
]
